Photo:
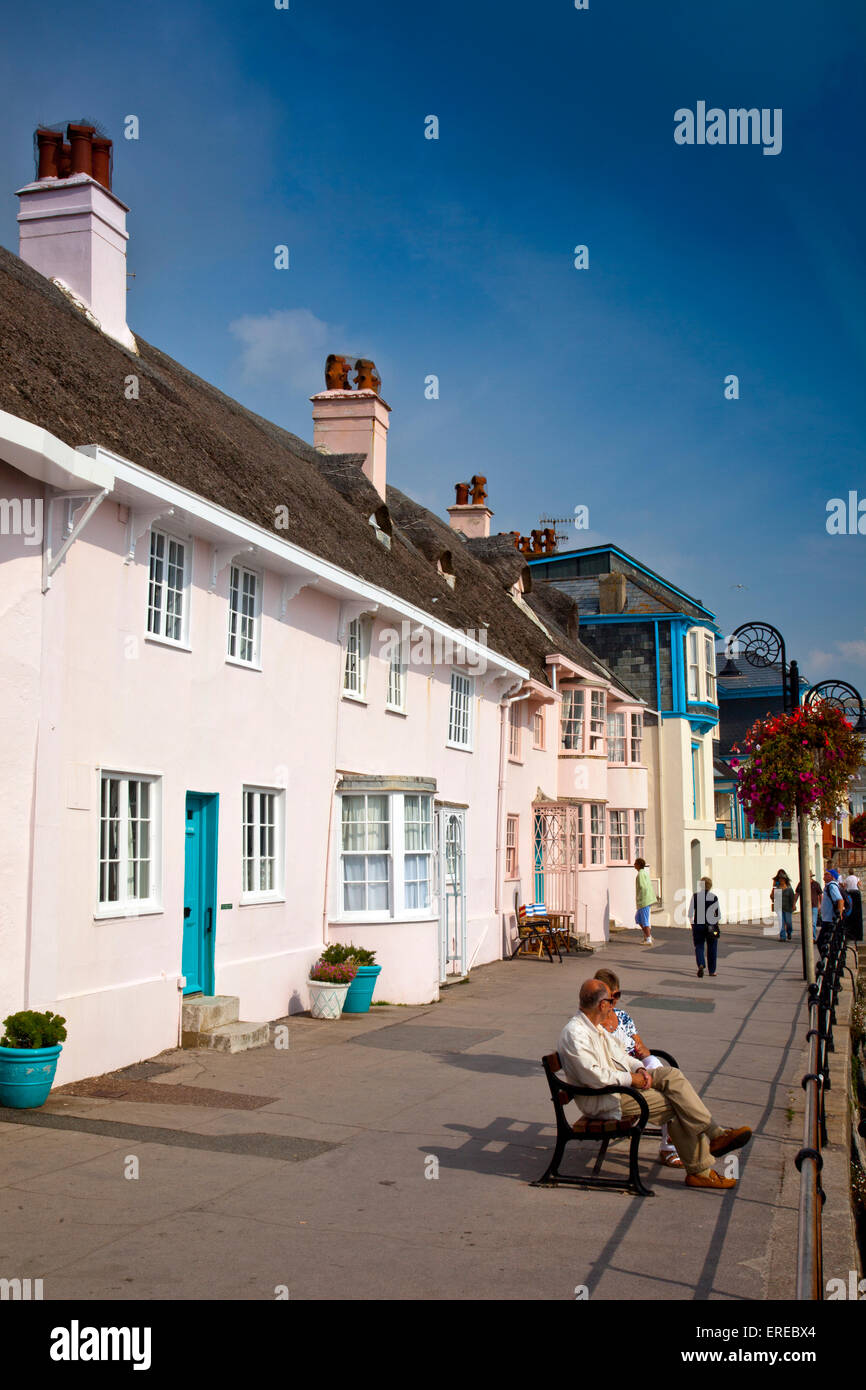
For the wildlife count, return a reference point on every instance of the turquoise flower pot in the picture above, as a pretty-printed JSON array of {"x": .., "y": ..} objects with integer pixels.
[
  {"x": 27, "y": 1075},
  {"x": 361, "y": 990}
]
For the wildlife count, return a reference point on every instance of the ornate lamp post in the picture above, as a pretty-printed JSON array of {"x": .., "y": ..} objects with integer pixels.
[
  {"x": 763, "y": 645},
  {"x": 843, "y": 696}
]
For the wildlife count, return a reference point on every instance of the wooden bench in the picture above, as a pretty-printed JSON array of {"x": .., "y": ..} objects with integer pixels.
[{"x": 596, "y": 1130}]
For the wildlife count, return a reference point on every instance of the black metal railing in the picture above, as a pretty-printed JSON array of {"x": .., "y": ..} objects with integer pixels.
[{"x": 823, "y": 999}]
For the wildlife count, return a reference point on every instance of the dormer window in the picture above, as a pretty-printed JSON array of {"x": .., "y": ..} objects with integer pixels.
[
  {"x": 381, "y": 523},
  {"x": 445, "y": 567}
]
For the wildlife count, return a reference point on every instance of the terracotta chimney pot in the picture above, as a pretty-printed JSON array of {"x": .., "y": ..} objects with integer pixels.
[
  {"x": 462, "y": 494},
  {"x": 49, "y": 144},
  {"x": 102, "y": 160},
  {"x": 81, "y": 141}
]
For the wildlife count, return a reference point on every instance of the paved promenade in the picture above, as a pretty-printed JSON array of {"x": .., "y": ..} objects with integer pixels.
[{"x": 305, "y": 1166}]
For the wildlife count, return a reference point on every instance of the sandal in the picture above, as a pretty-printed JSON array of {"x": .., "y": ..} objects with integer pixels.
[{"x": 670, "y": 1158}]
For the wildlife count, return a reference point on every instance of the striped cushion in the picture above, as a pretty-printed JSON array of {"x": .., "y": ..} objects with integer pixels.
[
  {"x": 530, "y": 910},
  {"x": 592, "y": 1126}
]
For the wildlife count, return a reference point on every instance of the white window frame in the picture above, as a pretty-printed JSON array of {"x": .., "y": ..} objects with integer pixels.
[
  {"x": 597, "y": 724},
  {"x": 617, "y": 720},
  {"x": 635, "y": 750},
  {"x": 572, "y": 724},
  {"x": 124, "y": 905},
  {"x": 710, "y": 669},
  {"x": 515, "y": 734},
  {"x": 255, "y": 661},
  {"x": 276, "y": 894},
  {"x": 538, "y": 729},
  {"x": 639, "y": 832},
  {"x": 169, "y": 538},
  {"x": 619, "y": 834},
  {"x": 461, "y": 710},
  {"x": 396, "y": 854},
  {"x": 358, "y": 635},
  {"x": 512, "y": 845},
  {"x": 693, "y": 669},
  {"x": 597, "y": 833},
  {"x": 396, "y": 693}
]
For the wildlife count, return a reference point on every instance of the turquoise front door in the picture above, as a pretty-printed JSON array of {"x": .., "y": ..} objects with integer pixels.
[{"x": 199, "y": 893}]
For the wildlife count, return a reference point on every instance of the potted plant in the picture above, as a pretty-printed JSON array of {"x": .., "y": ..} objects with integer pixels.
[
  {"x": 29, "y": 1050},
  {"x": 329, "y": 983},
  {"x": 360, "y": 993}
]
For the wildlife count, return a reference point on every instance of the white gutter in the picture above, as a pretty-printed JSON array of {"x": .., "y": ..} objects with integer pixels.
[
  {"x": 32, "y": 450},
  {"x": 290, "y": 557}
]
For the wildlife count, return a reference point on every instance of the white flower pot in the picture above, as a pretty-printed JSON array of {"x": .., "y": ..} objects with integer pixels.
[{"x": 326, "y": 1000}]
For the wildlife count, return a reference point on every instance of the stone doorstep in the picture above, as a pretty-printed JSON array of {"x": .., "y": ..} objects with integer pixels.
[
  {"x": 231, "y": 1037},
  {"x": 212, "y": 1022},
  {"x": 201, "y": 1014}
]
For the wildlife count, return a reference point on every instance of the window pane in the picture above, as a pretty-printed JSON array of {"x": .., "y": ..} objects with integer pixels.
[{"x": 354, "y": 823}]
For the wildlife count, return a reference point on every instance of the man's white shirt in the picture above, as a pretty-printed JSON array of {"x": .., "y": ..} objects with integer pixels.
[{"x": 591, "y": 1056}]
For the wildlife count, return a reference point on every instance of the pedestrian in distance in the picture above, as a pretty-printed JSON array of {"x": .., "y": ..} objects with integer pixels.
[
  {"x": 644, "y": 896},
  {"x": 782, "y": 898},
  {"x": 831, "y": 911},
  {"x": 815, "y": 896},
  {"x": 704, "y": 915}
]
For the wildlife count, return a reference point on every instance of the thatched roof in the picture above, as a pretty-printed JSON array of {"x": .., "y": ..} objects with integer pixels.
[{"x": 63, "y": 374}]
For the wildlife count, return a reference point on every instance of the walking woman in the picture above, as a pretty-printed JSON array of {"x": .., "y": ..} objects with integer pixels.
[
  {"x": 704, "y": 916},
  {"x": 644, "y": 896},
  {"x": 783, "y": 900}
]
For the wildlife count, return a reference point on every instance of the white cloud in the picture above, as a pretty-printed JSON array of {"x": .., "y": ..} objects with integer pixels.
[
  {"x": 854, "y": 651},
  {"x": 287, "y": 345}
]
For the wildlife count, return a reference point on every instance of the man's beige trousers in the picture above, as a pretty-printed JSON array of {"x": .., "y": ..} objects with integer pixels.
[{"x": 673, "y": 1098}]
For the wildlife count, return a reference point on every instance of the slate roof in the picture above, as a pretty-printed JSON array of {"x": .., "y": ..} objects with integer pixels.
[{"x": 61, "y": 373}]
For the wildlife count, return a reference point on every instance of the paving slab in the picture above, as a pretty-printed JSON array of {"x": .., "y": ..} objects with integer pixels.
[{"x": 396, "y": 1156}]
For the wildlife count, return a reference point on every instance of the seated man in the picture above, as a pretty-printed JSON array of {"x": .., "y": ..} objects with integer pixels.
[{"x": 591, "y": 1056}]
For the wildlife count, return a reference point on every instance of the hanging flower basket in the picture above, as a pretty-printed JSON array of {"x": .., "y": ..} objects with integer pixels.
[{"x": 798, "y": 763}]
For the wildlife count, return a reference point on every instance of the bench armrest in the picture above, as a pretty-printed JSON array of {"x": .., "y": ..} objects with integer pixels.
[
  {"x": 665, "y": 1056},
  {"x": 632, "y": 1091}
]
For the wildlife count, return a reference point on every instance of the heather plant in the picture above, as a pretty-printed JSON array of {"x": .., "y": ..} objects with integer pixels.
[
  {"x": 29, "y": 1029},
  {"x": 798, "y": 763},
  {"x": 333, "y": 972}
]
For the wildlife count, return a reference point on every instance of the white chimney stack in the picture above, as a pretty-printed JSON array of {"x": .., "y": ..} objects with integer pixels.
[
  {"x": 73, "y": 228},
  {"x": 353, "y": 422}
]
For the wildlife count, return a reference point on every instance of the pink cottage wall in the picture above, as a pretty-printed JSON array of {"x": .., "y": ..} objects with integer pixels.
[
  {"x": 375, "y": 742},
  {"x": 20, "y": 695},
  {"x": 114, "y": 699}
]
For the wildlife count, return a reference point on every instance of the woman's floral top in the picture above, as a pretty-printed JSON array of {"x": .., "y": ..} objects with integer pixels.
[{"x": 626, "y": 1031}]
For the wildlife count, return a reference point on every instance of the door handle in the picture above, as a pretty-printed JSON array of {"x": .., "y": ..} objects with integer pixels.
[
  {"x": 209, "y": 919},
  {"x": 186, "y": 912}
]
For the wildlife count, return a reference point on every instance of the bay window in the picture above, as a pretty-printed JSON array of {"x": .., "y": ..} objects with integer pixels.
[
  {"x": 694, "y": 692},
  {"x": 597, "y": 721},
  {"x": 572, "y": 721},
  {"x": 386, "y": 851},
  {"x": 619, "y": 836},
  {"x": 616, "y": 742},
  {"x": 596, "y": 834},
  {"x": 639, "y": 834},
  {"x": 636, "y": 737},
  {"x": 710, "y": 669}
]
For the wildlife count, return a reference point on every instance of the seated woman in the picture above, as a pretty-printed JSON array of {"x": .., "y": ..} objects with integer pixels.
[{"x": 622, "y": 1026}]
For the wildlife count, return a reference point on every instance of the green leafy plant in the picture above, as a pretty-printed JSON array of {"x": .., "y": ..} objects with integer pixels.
[
  {"x": 798, "y": 763},
  {"x": 29, "y": 1029},
  {"x": 337, "y": 953}
]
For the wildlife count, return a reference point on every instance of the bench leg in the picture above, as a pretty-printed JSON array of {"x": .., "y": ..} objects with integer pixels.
[
  {"x": 600, "y": 1160},
  {"x": 552, "y": 1171},
  {"x": 637, "y": 1184}
]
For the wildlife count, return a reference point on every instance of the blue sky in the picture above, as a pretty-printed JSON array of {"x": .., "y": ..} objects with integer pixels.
[{"x": 454, "y": 257}]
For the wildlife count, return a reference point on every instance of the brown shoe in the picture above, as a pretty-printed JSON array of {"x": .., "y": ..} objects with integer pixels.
[
  {"x": 709, "y": 1179},
  {"x": 729, "y": 1139}
]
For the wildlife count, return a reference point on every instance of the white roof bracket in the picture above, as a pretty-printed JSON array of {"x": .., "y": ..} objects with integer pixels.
[
  {"x": 292, "y": 586},
  {"x": 72, "y": 529},
  {"x": 222, "y": 555},
  {"x": 139, "y": 522}
]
